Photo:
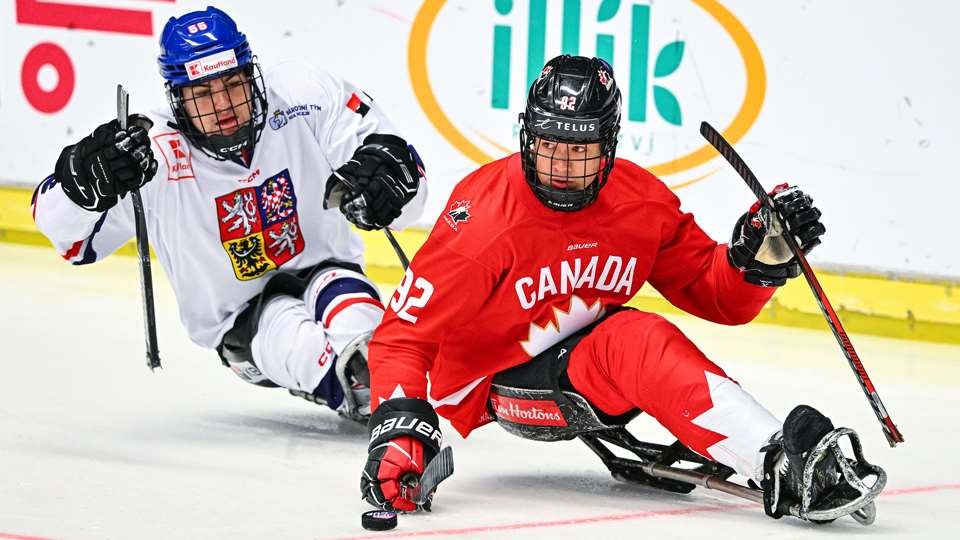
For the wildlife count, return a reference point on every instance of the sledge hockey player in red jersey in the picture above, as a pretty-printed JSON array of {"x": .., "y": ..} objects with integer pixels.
[
  {"x": 236, "y": 177},
  {"x": 514, "y": 307}
]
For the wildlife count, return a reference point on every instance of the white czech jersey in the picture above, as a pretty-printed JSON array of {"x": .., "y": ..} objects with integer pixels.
[{"x": 219, "y": 228}]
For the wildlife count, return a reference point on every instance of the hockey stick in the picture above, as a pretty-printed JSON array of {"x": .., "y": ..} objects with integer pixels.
[
  {"x": 143, "y": 250},
  {"x": 404, "y": 261},
  {"x": 438, "y": 470},
  {"x": 833, "y": 320}
]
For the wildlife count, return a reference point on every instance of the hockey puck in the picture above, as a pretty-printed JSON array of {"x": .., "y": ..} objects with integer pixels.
[{"x": 379, "y": 520}]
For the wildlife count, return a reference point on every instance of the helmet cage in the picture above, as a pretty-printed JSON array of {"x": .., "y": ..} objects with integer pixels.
[
  {"x": 574, "y": 102},
  {"x": 203, "y": 46},
  {"x": 543, "y": 127},
  {"x": 238, "y": 145}
]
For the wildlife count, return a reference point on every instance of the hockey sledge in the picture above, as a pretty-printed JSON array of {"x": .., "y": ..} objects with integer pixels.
[{"x": 656, "y": 466}]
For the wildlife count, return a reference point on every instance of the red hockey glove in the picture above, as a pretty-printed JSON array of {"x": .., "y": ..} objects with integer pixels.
[
  {"x": 758, "y": 248},
  {"x": 404, "y": 437}
]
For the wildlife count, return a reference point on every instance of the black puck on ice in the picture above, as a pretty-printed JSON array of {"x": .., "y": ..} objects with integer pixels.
[{"x": 378, "y": 520}]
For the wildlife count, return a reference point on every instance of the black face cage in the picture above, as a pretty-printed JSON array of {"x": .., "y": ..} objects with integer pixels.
[
  {"x": 565, "y": 200},
  {"x": 237, "y": 146}
]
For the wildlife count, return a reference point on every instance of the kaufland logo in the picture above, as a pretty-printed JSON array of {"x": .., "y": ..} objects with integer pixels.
[
  {"x": 210, "y": 65},
  {"x": 676, "y": 63}
]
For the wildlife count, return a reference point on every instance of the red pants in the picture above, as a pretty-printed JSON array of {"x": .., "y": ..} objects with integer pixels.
[{"x": 641, "y": 360}]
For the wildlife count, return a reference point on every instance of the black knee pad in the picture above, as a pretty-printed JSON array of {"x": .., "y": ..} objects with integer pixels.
[{"x": 535, "y": 400}]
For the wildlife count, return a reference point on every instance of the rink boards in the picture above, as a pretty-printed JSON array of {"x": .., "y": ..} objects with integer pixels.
[{"x": 868, "y": 302}]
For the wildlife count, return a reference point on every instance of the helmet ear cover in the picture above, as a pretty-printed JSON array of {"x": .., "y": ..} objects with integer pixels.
[
  {"x": 575, "y": 100},
  {"x": 204, "y": 45}
]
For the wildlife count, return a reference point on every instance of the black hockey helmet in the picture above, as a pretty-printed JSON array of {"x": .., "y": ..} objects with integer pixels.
[{"x": 575, "y": 101}]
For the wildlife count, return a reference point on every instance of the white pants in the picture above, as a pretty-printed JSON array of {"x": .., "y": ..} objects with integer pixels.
[{"x": 298, "y": 339}]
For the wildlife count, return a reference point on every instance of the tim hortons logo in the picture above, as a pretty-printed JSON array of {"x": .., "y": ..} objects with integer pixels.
[{"x": 530, "y": 412}]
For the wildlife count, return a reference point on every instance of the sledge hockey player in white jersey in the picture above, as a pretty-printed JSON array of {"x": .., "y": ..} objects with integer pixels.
[{"x": 246, "y": 179}]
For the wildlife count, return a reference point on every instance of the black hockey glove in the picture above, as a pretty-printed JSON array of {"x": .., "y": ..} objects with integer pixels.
[
  {"x": 404, "y": 437},
  {"x": 106, "y": 165},
  {"x": 372, "y": 188},
  {"x": 758, "y": 248}
]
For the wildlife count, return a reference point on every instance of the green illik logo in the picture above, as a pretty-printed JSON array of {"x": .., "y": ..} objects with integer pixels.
[{"x": 639, "y": 85}]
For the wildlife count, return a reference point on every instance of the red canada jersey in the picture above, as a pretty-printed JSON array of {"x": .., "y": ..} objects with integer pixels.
[{"x": 502, "y": 278}]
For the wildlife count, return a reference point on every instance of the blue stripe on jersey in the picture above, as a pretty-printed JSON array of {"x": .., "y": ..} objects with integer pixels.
[
  {"x": 343, "y": 285},
  {"x": 329, "y": 388},
  {"x": 416, "y": 158},
  {"x": 48, "y": 183},
  {"x": 42, "y": 187},
  {"x": 89, "y": 255}
]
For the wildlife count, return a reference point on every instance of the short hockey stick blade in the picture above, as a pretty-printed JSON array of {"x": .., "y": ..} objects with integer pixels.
[{"x": 438, "y": 470}]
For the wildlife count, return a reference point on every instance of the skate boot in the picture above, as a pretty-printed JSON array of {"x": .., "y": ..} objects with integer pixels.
[
  {"x": 354, "y": 377},
  {"x": 806, "y": 474},
  {"x": 352, "y": 380}
]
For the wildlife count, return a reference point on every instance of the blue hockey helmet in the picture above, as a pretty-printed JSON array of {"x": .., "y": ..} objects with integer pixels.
[
  {"x": 200, "y": 46},
  {"x": 200, "y": 35}
]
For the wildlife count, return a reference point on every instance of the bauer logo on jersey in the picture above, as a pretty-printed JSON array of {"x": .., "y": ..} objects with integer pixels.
[
  {"x": 176, "y": 154},
  {"x": 278, "y": 119},
  {"x": 259, "y": 228},
  {"x": 459, "y": 213},
  {"x": 210, "y": 65}
]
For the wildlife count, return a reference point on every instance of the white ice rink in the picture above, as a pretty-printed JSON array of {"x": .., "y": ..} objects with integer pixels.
[{"x": 94, "y": 446}]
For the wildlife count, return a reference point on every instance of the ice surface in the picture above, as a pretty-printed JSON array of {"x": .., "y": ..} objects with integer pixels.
[{"x": 94, "y": 446}]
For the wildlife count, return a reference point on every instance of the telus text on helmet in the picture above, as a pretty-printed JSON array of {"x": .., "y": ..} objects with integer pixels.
[
  {"x": 615, "y": 275},
  {"x": 571, "y": 127}
]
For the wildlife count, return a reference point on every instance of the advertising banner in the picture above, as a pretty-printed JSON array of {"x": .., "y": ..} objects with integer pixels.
[{"x": 853, "y": 101}]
